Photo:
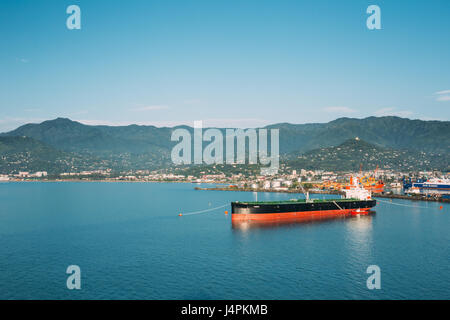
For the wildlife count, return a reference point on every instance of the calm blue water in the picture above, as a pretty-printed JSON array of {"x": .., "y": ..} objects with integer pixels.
[{"x": 130, "y": 243}]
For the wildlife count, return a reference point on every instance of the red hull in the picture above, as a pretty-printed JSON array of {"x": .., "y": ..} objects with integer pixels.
[{"x": 295, "y": 215}]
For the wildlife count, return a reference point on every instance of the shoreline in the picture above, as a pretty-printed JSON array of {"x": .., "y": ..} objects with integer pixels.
[
  {"x": 297, "y": 191},
  {"x": 80, "y": 180}
]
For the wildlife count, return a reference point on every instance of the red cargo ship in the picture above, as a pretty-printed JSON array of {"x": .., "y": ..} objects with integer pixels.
[{"x": 357, "y": 200}]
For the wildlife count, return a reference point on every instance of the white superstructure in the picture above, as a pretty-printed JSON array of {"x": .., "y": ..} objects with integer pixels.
[{"x": 356, "y": 191}]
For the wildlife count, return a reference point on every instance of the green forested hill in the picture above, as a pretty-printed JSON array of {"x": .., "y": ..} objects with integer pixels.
[
  {"x": 69, "y": 135},
  {"x": 28, "y": 154},
  {"x": 25, "y": 144},
  {"x": 349, "y": 155},
  {"x": 388, "y": 132}
]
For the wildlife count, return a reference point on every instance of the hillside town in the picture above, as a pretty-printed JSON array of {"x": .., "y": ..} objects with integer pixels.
[{"x": 285, "y": 181}]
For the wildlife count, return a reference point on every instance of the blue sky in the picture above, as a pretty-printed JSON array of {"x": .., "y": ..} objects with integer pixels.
[{"x": 228, "y": 63}]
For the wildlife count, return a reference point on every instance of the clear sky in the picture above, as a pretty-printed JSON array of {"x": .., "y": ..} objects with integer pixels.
[{"x": 228, "y": 63}]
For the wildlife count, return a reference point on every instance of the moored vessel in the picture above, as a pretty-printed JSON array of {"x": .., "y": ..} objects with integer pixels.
[
  {"x": 441, "y": 185},
  {"x": 357, "y": 200}
]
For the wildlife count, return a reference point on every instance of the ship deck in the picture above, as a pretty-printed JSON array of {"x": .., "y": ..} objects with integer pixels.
[{"x": 294, "y": 201}]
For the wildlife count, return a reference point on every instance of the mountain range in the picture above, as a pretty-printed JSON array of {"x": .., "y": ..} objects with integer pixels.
[{"x": 75, "y": 145}]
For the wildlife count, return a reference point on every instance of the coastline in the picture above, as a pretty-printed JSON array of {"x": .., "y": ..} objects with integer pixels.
[
  {"x": 81, "y": 180},
  {"x": 297, "y": 191}
]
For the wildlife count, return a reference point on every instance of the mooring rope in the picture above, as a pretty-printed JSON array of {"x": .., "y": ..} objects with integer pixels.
[
  {"x": 403, "y": 205},
  {"x": 204, "y": 211},
  {"x": 337, "y": 205}
]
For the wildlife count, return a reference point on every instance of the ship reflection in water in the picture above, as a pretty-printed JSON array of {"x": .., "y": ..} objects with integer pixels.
[{"x": 362, "y": 221}]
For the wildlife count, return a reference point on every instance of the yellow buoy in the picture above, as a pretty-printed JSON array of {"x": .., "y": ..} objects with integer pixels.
[{"x": 226, "y": 212}]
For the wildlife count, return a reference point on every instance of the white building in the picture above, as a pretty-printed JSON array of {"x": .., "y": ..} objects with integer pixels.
[
  {"x": 287, "y": 183},
  {"x": 39, "y": 174},
  {"x": 276, "y": 184}
]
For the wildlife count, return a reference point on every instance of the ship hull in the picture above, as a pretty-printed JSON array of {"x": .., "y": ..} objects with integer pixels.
[{"x": 292, "y": 211}]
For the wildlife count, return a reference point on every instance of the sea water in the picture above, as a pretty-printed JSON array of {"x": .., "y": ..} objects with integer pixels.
[{"x": 130, "y": 243}]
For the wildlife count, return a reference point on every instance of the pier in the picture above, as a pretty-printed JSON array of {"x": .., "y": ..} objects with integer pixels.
[{"x": 415, "y": 197}]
